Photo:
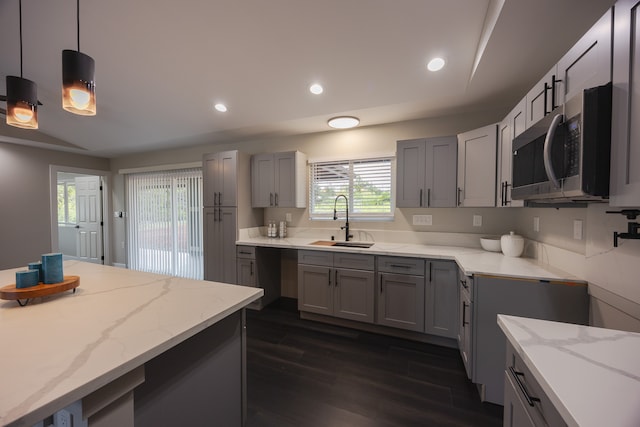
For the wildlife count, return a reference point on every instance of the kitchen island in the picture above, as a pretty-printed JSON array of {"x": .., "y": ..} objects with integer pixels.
[
  {"x": 124, "y": 330},
  {"x": 572, "y": 374}
]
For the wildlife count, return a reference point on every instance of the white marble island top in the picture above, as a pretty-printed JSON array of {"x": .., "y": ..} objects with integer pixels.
[
  {"x": 591, "y": 375},
  {"x": 58, "y": 349},
  {"x": 470, "y": 260}
]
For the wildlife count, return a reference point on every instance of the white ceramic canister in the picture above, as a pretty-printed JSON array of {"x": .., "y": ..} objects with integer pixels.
[{"x": 512, "y": 244}]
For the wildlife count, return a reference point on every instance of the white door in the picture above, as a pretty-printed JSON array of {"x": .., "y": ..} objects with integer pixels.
[{"x": 89, "y": 219}]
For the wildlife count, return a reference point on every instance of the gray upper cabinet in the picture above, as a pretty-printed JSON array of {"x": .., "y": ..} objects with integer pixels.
[
  {"x": 477, "y": 167},
  {"x": 441, "y": 299},
  {"x": 426, "y": 173},
  {"x": 625, "y": 135},
  {"x": 220, "y": 179},
  {"x": 542, "y": 98},
  {"x": 278, "y": 180},
  {"x": 512, "y": 126},
  {"x": 588, "y": 62}
]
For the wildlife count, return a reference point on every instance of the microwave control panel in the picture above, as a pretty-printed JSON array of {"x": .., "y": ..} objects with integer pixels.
[{"x": 572, "y": 147}]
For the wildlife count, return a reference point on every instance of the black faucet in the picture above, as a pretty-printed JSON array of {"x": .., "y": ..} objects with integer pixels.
[{"x": 335, "y": 216}]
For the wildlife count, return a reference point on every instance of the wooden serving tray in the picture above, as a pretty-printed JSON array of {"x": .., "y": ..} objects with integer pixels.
[{"x": 10, "y": 292}]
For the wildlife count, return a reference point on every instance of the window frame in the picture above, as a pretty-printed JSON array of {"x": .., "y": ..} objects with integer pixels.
[
  {"x": 66, "y": 220},
  {"x": 353, "y": 216}
]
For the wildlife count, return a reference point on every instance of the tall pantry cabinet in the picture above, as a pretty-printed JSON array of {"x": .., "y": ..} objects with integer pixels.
[{"x": 227, "y": 207}]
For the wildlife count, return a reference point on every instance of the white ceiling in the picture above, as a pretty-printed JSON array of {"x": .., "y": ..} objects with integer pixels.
[{"x": 161, "y": 65}]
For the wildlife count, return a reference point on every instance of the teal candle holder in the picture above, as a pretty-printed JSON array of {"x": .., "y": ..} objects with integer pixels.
[
  {"x": 27, "y": 278},
  {"x": 37, "y": 266},
  {"x": 52, "y": 268}
]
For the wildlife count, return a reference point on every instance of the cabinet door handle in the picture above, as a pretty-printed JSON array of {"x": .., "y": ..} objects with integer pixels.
[
  {"x": 245, "y": 253},
  {"x": 554, "y": 82},
  {"x": 516, "y": 376},
  {"x": 430, "y": 272},
  {"x": 336, "y": 278},
  {"x": 276, "y": 198},
  {"x": 502, "y": 193},
  {"x": 270, "y": 199},
  {"x": 329, "y": 275},
  {"x": 399, "y": 266},
  {"x": 381, "y": 284},
  {"x": 220, "y": 199},
  {"x": 215, "y": 198},
  {"x": 464, "y": 284},
  {"x": 506, "y": 193},
  {"x": 251, "y": 265},
  {"x": 459, "y": 191},
  {"x": 464, "y": 314},
  {"x": 428, "y": 197},
  {"x": 546, "y": 89},
  {"x": 420, "y": 198}
]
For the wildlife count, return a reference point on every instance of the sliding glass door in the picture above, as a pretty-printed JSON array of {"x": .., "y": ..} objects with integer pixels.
[{"x": 164, "y": 224}]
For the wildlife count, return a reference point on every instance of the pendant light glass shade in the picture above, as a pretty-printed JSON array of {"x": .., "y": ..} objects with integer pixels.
[
  {"x": 22, "y": 103},
  {"x": 78, "y": 85}
]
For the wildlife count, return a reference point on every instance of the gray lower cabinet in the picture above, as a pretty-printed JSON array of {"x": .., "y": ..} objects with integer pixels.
[
  {"x": 326, "y": 286},
  {"x": 440, "y": 312},
  {"x": 538, "y": 299},
  {"x": 259, "y": 267},
  {"x": 220, "y": 225},
  {"x": 525, "y": 402},
  {"x": 465, "y": 320},
  {"x": 401, "y": 293}
]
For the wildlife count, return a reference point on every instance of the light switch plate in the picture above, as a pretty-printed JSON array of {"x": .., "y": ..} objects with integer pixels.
[
  {"x": 477, "y": 220},
  {"x": 577, "y": 229},
  {"x": 422, "y": 220},
  {"x": 287, "y": 217}
]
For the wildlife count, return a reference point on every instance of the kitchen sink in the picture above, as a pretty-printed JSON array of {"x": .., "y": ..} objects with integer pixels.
[{"x": 343, "y": 244}]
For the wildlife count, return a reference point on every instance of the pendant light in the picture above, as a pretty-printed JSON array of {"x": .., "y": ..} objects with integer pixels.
[
  {"x": 78, "y": 85},
  {"x": 22, "y": 96}
]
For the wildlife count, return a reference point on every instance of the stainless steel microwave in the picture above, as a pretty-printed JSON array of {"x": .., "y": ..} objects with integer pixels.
[{"x": 565, "y": 156}]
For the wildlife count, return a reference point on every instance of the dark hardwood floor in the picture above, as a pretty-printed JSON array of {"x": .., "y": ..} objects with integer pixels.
[{"x": 303, "y": 373}]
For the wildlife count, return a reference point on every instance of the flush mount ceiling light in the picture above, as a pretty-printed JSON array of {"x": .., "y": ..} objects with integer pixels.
[
  {"x": 343, "y": 122},
  {"x": 78, "y": 85},
  {"x": 316, "y": 89},
  {"x": 220, "y": 107},
  {"x": 435, "y": 64},
  {"x": 22, "y": 96}
]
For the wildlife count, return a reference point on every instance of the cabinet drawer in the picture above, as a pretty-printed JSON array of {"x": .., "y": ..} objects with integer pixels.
[
  {"x": 400, "y": 265},
  {"x": 248, "y": 252},
  {"x": 315, "y": 258},
  {"x": 537, "y": 404},
  {"x": 354, "y": 261}
]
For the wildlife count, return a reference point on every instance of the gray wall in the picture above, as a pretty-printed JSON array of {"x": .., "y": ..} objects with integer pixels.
[{"x": 25, "y": 221}]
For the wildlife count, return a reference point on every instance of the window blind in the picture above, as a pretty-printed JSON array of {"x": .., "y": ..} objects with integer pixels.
[
  {"x": 164, "y": 226},
  {"x": 365, "y": 182}
]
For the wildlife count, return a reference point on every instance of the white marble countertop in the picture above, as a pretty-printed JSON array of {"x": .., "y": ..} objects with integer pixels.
[
  {"x": 58, "y": 349},
  {"x": 470, "y": 260},
  {"x": 591, "y": 375}
]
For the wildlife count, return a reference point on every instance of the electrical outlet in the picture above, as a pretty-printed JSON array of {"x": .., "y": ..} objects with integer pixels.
[
  {"x": 536, "y": 224},
  {"x": 287, "y": 217},
  {"x": 422, "y": 220},
  {"x": 477, "y": 220},
  {"x": 62, "y": 418},
  {"x": 577, "y": 229}
]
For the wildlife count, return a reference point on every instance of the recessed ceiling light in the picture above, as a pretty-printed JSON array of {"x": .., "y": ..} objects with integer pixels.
[
  {"x": 221, "y": 107},
  {"x": 435, "y": 64},
  {"x": 343, "y": 122},
  {"x": 316, "y": 89}
]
